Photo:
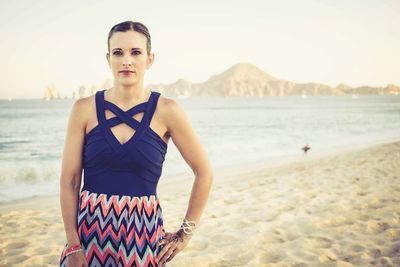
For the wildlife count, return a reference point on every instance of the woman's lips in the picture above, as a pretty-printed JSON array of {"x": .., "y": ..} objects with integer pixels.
[{"x": 126, "y": 72}]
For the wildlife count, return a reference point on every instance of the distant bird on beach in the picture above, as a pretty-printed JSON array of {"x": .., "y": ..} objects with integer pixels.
[{"x": 306, "y": 148}]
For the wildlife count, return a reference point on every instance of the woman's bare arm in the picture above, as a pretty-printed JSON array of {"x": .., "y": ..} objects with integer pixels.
[
  {"x": 71, "y": 170},
  {"x": 188, "y": 144},
  {"x": 186, "y": 140}
]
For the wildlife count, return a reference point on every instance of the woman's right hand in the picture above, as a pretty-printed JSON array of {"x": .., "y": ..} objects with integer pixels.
[{"x": 77, "y": 260}]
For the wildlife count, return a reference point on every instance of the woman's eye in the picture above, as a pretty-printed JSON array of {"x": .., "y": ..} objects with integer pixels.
[{"x": 117, "y": 53}]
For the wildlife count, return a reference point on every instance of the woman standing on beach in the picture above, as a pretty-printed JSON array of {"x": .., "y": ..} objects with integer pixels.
[{"x": 119, "y": 137}]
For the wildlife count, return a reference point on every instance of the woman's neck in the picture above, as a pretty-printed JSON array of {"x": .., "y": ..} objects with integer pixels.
[{"x": 127, "y": 96}]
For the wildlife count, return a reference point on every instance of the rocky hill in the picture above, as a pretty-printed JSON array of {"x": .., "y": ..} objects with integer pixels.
[
  {"x": 244, "y": 79},
  {"x": 51, "y": 92}
]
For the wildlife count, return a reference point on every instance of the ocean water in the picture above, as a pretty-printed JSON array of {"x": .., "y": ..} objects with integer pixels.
[{"x": 234, "y": 131}]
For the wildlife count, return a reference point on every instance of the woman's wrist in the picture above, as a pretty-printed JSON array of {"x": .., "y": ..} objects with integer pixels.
[
  {"x": 72, "y": 249},
  {"x": 72, "y": 237},
  {"x": 188, "y": 226},
  {"x": 184, "y": 235}
]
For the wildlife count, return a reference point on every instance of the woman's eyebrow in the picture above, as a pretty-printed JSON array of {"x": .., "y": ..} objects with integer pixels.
[{"x": 135, "y": 48}]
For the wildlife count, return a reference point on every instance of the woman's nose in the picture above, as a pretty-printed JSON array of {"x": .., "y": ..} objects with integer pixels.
[{"x": 127, "y": 63}]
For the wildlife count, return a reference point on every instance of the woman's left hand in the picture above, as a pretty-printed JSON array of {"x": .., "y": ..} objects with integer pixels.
[{"x": 173, "y": 243}]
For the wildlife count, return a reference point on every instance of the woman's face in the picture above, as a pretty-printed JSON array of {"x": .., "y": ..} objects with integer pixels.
[{"x": 128, "y": 52}]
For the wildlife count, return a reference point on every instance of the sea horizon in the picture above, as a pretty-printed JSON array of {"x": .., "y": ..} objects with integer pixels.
[{"x": 262, "y": 129}]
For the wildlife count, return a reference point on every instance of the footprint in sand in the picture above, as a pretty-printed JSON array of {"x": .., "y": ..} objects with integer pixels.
[
  {"x": 270, "y": 217},
  {"x": 273, "y": 256},
  {"x": 328, "y": 256},
  {"x": 229, "y": 201},
  {"x": 212, "y": 216},
  {"x": 374, "y": 253},
  {"x": 357, "y": 248},
  {"x": 312, "y": 195},
  {"x": 381, "y": 241},
  {"x": 242, "y": 257},
  {"x": 338, "y": 221},
  {"x": 271, "y": 238},
  {"x": 286, "y": 208},
  {"x": 200, "y": 246},
  {"x": 17, "y": 259},
  {"x": 17, "y": 244},
  {"x": 285, "y": 236},
  {"x": 52, "y": 260},
  {"x": 383, "y": 261},
  {"x": 393, "y": 234},
  {"x": 393, "y": 251},
  {"x": 319, "y": 242},
  {"x": 376, "y": 227},
  {"x": 224, "y": 239},
  {"x": 299, "y": 264},
  {"x": 14, "y": 252},
  {"x": 41, "y": 251},
  {"x": 361, "y": 193}
]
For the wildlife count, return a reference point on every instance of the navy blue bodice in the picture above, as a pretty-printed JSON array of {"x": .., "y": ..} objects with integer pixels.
[{"x": 132, "y": 168}]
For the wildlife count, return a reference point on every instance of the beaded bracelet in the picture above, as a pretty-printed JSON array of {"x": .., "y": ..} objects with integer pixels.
[
  {"x": 188, "y": 226},
  {"x": 73, "y": 249},
  {"x": 73, "y": 252}
]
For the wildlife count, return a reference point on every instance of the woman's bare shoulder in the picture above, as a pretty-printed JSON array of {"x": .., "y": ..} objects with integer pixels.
[
  {"x": 168, "y": 106},
  {"x": 83, "y": 109},
  {"x": 171, "y": 111}
]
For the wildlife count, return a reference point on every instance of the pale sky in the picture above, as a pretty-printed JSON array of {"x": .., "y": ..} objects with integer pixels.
[{"x": 331, "y": 42}]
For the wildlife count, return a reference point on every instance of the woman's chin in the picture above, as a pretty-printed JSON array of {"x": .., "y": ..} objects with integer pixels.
[{"x": 126, "y": 82}]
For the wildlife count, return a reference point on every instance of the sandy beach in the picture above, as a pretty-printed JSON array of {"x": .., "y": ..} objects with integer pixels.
[{"x": 341, "y": 209}]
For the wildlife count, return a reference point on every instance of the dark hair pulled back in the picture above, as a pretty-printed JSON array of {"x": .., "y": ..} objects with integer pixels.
[{"x": 131, "y": 26}]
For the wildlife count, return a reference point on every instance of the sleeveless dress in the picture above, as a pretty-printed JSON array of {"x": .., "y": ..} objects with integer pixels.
[{"x": 120, "y": 218}]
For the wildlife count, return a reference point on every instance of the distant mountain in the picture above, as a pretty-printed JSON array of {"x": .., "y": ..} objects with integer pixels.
[{"x": 244, "y": 79}]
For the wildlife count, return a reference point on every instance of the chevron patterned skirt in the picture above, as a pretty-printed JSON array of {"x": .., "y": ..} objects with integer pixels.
[{"x": 119, "y": 230}]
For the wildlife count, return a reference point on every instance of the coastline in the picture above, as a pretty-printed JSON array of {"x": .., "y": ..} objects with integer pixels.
[{"x": 338, "y": 207}]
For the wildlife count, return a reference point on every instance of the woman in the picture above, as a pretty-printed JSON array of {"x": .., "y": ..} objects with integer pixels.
[{"x": 120, "y": 138}]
